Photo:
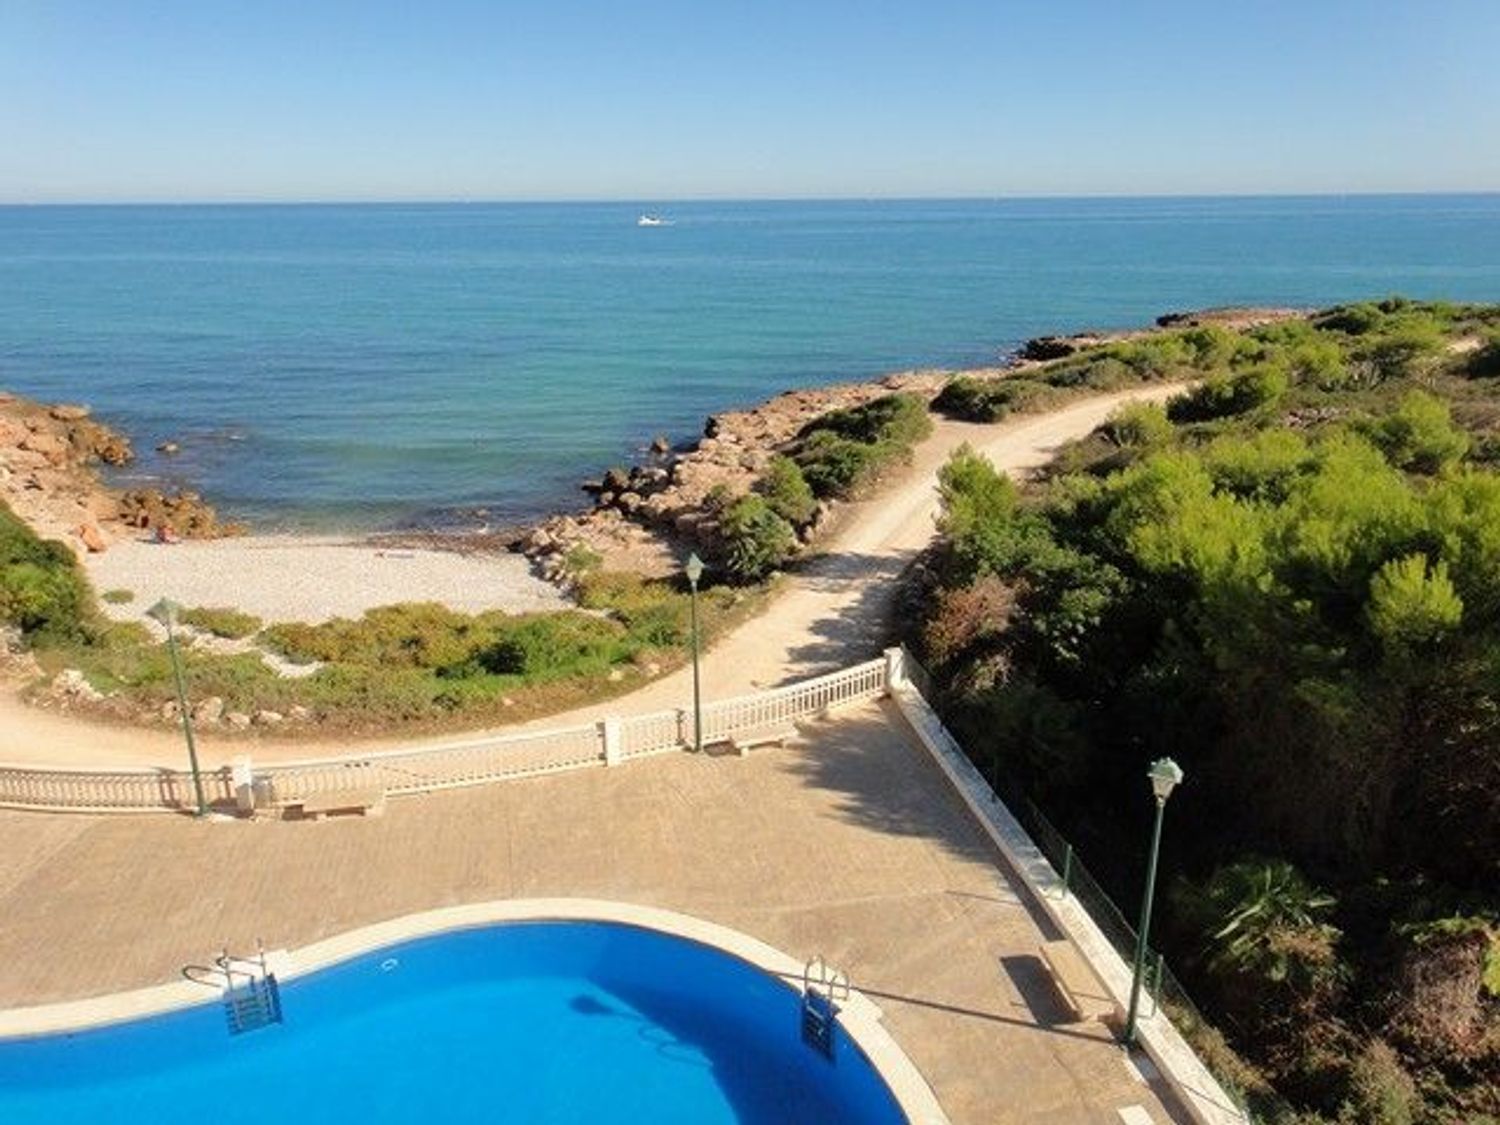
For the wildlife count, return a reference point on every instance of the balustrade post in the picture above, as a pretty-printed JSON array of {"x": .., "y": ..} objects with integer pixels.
[
  {"x": 612, "y": 734},
  {"x": 895, "y": 668}
]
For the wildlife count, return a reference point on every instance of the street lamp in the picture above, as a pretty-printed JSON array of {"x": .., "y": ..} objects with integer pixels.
[
  {"x": 694, "y": 571},
  {"x": 1165, "y": 776},
  {"x": 166, "y": 612}
]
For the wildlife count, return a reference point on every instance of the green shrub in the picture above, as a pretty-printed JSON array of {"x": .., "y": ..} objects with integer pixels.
[
  {"x": 756, "y": 539},
  {"x": 1401, "y": 352},
  {"x": 580, "y": 560},
  {"x": 422, "y": 635},
  {"x": 1380, "y": 1092},
  {"x": 43, "y": 590},
  {"x": 990, "y": 400},
  {"x": 899, "y": 419},
  {"x": 118, "y": 597},
  {"x": 1226, "y": 396},
  {"x": 222, "y": 621},
  {"x": 547, "y": 645},
  {"x": 1413, "y": 602},
  {"x": 835, "y": 466},
  {"x": 787, "y": 492},
  {"x": 1139, "y": 425},
  {"x": 1095, "y": 370},
  {"x": 1420, "y": 435}
]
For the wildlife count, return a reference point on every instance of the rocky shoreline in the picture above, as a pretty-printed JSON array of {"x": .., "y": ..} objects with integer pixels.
[
  {"x": 48, "y": 478},
  {"x": 645, "y": 517}
]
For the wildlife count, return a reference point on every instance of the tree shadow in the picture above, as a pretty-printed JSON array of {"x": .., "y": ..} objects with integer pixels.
[
  {"x": 879, "y": 781},
  {"x": 861, "y": 629}
]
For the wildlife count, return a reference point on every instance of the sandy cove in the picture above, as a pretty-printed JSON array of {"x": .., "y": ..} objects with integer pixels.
[
  {"x": 832, "y": 611},
  {"x": 295, "y": 578}
]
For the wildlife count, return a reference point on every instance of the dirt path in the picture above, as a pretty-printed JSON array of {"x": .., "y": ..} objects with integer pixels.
[{"x": 833, "y": 612}]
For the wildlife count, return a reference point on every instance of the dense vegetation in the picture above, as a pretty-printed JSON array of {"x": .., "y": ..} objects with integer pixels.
[
  {"x": 43, "y": 592},
  {"x": 845, "y": 451},
  {"x": 836, "y": 456},
  {"x": 1289, "y": 581},
  {"x": 421, "y": 665}
]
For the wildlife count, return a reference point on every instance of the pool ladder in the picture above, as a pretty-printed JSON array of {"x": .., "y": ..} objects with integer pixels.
[
  {"x": 823, "y": 987},
  {"x": 252, "y": 998}
]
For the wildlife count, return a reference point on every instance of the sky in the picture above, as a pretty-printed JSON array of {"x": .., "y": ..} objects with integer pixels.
[{"x": 211, "y": 100}]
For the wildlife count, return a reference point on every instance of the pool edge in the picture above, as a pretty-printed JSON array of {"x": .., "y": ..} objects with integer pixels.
[{"x": 859, "y": 1016}]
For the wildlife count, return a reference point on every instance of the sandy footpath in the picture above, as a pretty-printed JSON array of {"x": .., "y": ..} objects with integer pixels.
[
  {"x": 831, "y": 612},
  {"x": 289, "y": 578}
]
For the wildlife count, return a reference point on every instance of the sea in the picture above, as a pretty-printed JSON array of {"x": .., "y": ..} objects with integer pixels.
[{"x": 465, "y": 365}]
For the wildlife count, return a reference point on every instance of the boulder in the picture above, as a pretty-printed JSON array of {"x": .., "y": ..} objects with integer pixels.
[
  {"x": 49, "y": 446},
  {"x": 170, "y": 711},
  {"x": 660, "y": 444},
  {"x": 267, "y": 718},
  {"x": 69, "y": 412},
  {"x": 209, "y": 710},
  {"x": 238, "y": 720},
  {"x": 169, "y": 448},
  {"x": 71, "y": 685},
  {"x": 298, "y": 713},
  {"x": 92, "y": 538}
]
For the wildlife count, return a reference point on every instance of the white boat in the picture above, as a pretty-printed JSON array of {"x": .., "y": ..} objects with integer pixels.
[{"x": 653, "y": 221}]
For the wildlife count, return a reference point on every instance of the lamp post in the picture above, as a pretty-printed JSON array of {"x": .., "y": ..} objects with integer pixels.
[
  {"x": 694, "y": 571},
  {"x": 1165, "y": 776},
  {"x": 166, "y": 612}
]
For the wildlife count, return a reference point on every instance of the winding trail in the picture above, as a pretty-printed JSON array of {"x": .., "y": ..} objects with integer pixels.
[{"x": 832, "y": 612}]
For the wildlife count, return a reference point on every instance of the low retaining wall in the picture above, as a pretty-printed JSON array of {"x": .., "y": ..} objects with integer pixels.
[{"x": 1198, "y": 1090}]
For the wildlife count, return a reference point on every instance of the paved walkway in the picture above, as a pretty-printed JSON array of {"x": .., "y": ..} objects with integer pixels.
[{"x": 848, "y": 843}]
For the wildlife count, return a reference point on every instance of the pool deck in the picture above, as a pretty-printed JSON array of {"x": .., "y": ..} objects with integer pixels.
[{"x": 848, "y": 843}]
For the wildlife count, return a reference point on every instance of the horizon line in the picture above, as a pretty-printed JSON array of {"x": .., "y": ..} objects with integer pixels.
[{"x": 376, "y": 201}]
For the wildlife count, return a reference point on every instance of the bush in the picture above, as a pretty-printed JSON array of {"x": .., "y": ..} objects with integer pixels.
[
  {"x": 222, "y": 621},
  {"x": 423, "y": 635},
  {"x": 1401, "y": 352},
  {"x": 1138, "y": 425},
  {"x": 548, "y": 645},
  {"x": 43, "y": 591},
  {"x": 1095, "y": 370},
  {"x": 1380, "y": 1092},
  {"x": 756, "y": 539},
  {"x": 1420, "y": 435},
  {"x": 990, "y": 400},
  {"x": 1226, "y": 396},
  {"x": 844, "y": 450},
  {"x": 118, "y": 597},
  {"x": 1413, "y": 603},
  {"x": 787, "y": 492},
  {"x": 900, "y": 419},
  {"x": 838, "y": 467}
]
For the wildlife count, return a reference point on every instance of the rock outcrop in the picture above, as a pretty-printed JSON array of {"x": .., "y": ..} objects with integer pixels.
[
  {"x": 48, "y": 477},
  {"x": 647, "y": 516}
]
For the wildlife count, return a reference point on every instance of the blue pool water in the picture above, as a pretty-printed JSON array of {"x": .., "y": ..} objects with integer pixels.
[
  {"x": 535, "y": 1022},
  {"x": 360, "y": 366}
]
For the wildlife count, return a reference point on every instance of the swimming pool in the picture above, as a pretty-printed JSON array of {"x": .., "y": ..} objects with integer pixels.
[{"x": 533, "y": 1021}]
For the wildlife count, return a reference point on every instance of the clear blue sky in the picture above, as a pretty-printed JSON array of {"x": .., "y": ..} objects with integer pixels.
[{"x": 674, "y": 99}]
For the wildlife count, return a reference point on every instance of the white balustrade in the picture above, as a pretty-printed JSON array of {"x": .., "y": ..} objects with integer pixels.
[{"x": 451, "y": 765}]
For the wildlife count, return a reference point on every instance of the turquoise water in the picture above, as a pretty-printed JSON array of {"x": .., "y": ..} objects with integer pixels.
[
  {"x": 543, "y": 1023},
  {"x": 366, "y": 366}
]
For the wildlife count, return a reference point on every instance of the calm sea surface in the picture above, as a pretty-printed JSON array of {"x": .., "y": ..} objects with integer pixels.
[{"x": 369, "y": 366}]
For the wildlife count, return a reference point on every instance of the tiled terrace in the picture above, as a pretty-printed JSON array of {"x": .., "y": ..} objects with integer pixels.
[{"x": 848, "y": 843}]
